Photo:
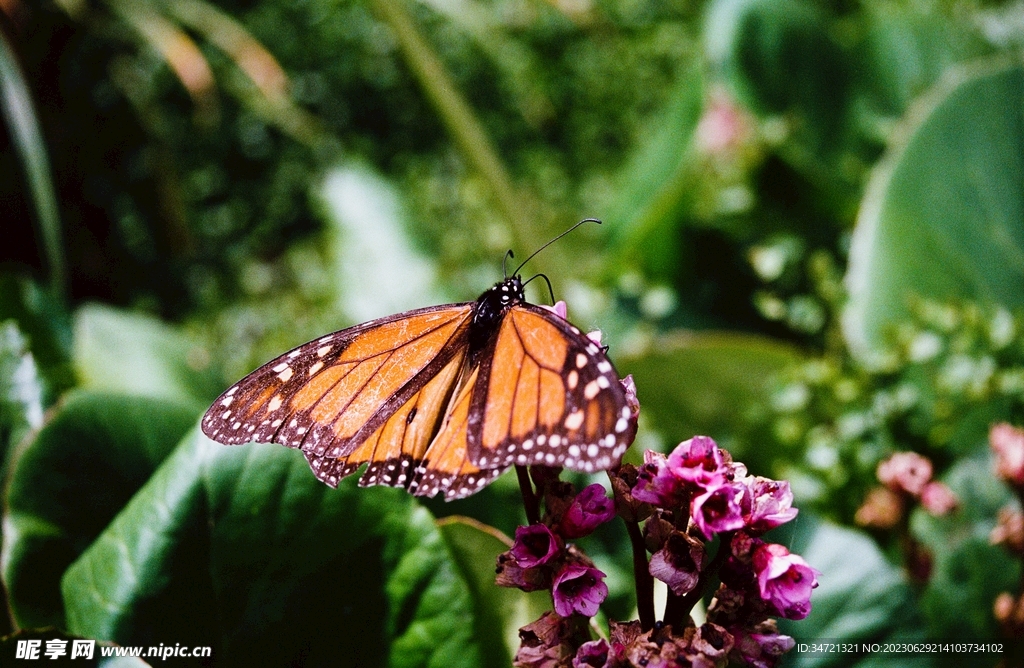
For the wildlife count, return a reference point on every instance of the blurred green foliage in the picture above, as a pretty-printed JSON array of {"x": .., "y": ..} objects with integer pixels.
[{"x": 812, "y": 250}]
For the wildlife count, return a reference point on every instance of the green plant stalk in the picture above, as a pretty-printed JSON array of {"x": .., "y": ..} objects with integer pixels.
[
  {"x": 23, "y": 124},
  {"x": 465, "y": 128}
]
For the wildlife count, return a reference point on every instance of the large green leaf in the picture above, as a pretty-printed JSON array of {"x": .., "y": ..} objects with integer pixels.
[
  {"x": 657, "y": 183},
  {"x": 74, "y": 476},
  {"x": 943, "y": 216},
  {"x": 500, "y": 611},
  {"x": 861, "y": 597},
  {"x": 132, "y": 353},
  {"x": 241, "y": 548},
  {"x": 699, "y": 382}
]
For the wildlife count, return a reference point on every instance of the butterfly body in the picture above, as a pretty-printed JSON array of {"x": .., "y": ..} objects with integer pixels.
[{"x": 437, "y": 400}]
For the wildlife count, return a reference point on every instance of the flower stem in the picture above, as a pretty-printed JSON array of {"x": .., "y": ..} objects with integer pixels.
[
  {"x": 678, "y": 607},
  {"x": 530, "y": 501},
  {"x": 642, "y": 575}
]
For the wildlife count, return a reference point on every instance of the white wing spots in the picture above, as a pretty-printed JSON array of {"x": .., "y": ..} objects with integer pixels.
[
  {"x": 604, "y": 366},
  {"x": 621, "y": 424},
  {"x": 554, "y": 441},
  {"x": 320, "y": 352},
  {"x": 236, "y": 425},
  {"x": 573, "y": 379},
  {"x": 549, "y": 458},
  {"x": 295, "y": 353},
  {"x": 276, "y": 423},
  {"x": 285, "y": 375},
  {"x": 325, "y": 339},
  {"x": 275, "y": 403},
  {"x": 581, "y": 360},
  {"x": 225, "y": 415},
  {"x": 316, "y": 367},
  {"x": 591, "y": 390},
  {"x": 592, "y": 450},
  {"x": 231, "y": 391},
  {"x": 541, "y": 439},
  {"x": 280, "y": 367},
  {"x": 574, "y": 450},
  {"x": 227, "y": 401},
  {"x": 574, "y": 420},
  {"x": 603, "y": 382},
  {"x": 592, "y": 349},
  {"x": 527, "y": 445}
]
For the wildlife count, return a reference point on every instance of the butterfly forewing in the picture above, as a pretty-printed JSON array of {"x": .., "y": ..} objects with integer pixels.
[
  {"x": 548, "y": 395},
  {"x": 330, "y": 394}
]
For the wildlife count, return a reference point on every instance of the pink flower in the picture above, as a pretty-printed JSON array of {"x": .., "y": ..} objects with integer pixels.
[
  {"x": 784, "y": 580},
  {"x": 722, "y": 507},
  {"x": 762, "y": 649},
  {"x": 535, "y": 545},
  {"x": 938, "y": 499},
  {"x": 579, "y": 588},
  {"x": 588, "y": 510},
  {"x": 544, "y": 643},
  {"x": 771, "y": 504},
  {"x": 1008, "y": 443},
  {"x": 656, "y": 484},
  {"x": 698, "y": 461},
  {"x": 679, "y": 563},
  {"x": 558, "y": 309},
  {"x": 906, "y": 471},
  {"x": 593, "y": 654}
]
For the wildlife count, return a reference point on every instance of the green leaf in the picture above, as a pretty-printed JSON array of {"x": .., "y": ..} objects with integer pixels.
[
  {"x": 75, "y": 475},
  {"x": 370, "y": 246},
  {"x": 657, "y": 183},
  {"x": 500, "y": 611},
  {"x": 698, "y": 382},
  {"x": 273, "y": 567},
  {"x": 130, "y": 353},
  {"x": 943, "y": 216},
  {"x": 23, "y": 125},
  {"x": 45, "y": 323},
  {"x": 860, "y": 598},
  {"x": 21, "y": 390}
]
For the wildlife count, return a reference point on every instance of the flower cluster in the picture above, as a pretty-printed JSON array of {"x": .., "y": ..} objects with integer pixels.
[
  {"x": 906, "y": 479},
  {"x": 540, "y": 558},
  {"x": 683, "y": 500},
  {"x": 1007, "y": 443}
]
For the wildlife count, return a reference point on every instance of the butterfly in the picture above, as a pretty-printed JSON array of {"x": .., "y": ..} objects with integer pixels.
[{"x": 440, "y": 399}]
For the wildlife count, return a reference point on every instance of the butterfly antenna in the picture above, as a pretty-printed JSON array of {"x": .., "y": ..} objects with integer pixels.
[
  {"x": 585, "y": 220},
  {"x": 508, "y": 255},
  {"x": 550, "y": 290}
]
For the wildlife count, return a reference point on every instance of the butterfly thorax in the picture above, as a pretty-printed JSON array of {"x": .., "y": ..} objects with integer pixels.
[{"x": 490, "y": 308}]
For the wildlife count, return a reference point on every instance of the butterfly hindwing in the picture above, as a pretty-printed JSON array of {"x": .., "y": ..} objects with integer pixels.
[
  {"x": 328, "y": 395},
  {"x": 547, "y": 395}
]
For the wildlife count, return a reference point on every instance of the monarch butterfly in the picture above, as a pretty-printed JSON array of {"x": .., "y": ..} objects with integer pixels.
[{"x": 438, "y": 399}]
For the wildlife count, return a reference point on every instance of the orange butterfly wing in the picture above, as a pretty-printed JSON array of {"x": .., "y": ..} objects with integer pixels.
[
  {"x": 547, "y": 395},
  {"x": 329, "y": 395},
  {"x": 431, "y": 408}
]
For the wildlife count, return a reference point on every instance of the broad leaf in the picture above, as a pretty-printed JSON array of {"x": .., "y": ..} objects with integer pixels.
[
  {"x": 500, "y": 611},
  {"x": 131, "y": 353},
  {"x": 273, "y": 567},
  {"x": 943, "y": 217},
  {"x": 698, "y": 383},
  {"x": 861, "y": 597},
  {"x": 74, "y": 476}
]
